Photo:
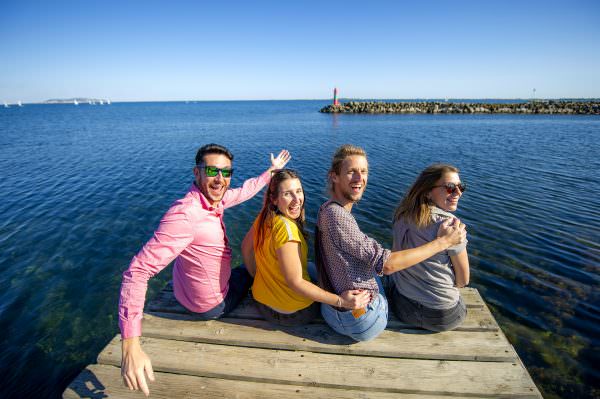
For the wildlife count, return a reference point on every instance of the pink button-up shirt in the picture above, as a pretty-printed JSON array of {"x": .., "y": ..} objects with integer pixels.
[{"x": 193, "y": 232}]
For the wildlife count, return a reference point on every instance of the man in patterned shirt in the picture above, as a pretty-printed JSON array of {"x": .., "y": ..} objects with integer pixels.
[{"x": 348, "y": 259}]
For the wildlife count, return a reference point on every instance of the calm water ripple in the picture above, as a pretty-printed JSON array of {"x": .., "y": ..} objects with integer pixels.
[{"x": 84, "y": 187}]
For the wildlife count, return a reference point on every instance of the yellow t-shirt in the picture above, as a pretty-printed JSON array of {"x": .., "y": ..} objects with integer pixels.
[{"x": 269, "y": 287}]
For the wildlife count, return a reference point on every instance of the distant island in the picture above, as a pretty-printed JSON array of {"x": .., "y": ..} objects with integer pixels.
[
  {"x": 77, "y": 101},
  {"x": 568, "y": 107}
]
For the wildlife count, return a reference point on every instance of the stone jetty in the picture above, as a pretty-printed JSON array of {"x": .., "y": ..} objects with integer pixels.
[{"x": 531, "y": 107}]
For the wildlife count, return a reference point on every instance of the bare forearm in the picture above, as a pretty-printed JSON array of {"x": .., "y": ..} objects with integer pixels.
[
  {"x": 461, "y": 268},
  {"x": 314, "y": 292},
  {"x": 399, "y": 260}
]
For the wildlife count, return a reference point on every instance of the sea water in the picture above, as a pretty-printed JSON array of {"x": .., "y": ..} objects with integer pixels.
[{"x": 83, "y": 187}]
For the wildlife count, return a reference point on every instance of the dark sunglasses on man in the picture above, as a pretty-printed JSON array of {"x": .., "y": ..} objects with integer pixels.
[{"x": 212, "y": 171}]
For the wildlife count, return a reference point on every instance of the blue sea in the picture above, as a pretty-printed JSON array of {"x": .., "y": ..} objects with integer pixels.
[{"x": 83, "y": 187}]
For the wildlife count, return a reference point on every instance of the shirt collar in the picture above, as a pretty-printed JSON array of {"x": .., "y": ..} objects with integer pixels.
[
  {"x": 437, "y": 211},
  {"x": 204, "y": 201}
]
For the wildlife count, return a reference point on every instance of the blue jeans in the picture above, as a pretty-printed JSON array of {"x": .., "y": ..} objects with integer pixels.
[
  {"x": 363, "y": 328},
  {"x": 239, "y": 284}
]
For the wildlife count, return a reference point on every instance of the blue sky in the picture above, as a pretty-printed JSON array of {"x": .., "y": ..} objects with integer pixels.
[{"x": 196, "y": 50}]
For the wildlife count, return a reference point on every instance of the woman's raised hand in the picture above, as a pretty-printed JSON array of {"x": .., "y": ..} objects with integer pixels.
[
  {"x": 355, "y": 299},
  {"x": 282, "y": 159}
]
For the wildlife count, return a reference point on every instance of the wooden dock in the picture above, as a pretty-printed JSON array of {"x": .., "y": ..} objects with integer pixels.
[{"x": 243, "y": 356}]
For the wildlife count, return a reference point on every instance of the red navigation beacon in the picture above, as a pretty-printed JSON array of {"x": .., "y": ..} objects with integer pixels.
[{"x": 335, "y": 99}]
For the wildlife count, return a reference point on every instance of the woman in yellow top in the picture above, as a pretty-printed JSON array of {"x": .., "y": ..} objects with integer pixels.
[{"x": 275, "y": 251}]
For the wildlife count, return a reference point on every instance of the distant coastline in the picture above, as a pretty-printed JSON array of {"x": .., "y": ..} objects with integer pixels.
[
  {"x": 468, "y": 101},
  {"x": 568, "y": 107},
  {"x": 78, "y": 100}
]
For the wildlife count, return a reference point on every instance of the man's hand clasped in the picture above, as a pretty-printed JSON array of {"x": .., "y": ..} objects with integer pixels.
[
  {"x": 355, "y": 299},
  {"x": 453, "y": 231}
]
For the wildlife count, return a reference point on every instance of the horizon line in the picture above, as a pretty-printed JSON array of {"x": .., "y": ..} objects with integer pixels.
[{"x": 445, "y": 99}]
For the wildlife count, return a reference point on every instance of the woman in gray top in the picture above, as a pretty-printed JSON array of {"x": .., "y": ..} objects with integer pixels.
[{"x": 426, "y": 295}]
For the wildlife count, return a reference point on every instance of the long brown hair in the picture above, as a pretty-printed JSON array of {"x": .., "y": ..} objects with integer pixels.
[
  {"x": 414, "y": 207},
  {"x": 269, "y": 210}
]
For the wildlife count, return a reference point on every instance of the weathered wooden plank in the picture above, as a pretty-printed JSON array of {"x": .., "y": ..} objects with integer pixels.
[
  {"x": 446, "y": 377},
  {"x": 165, "y": 302},
  {"x": 478, "y": 318},
  {"x": 470, "y": 295},
  {"x": 404, "y": 343},
  {"x": 101, "y": 381}
]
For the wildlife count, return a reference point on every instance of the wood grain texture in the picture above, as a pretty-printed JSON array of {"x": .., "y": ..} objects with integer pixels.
[
  {"x": 478, "y": 318},
  {"x": 362, "y": 373},
  {"x": 101, "y": 381},
  {"x": 405, "y": 343},
  {"x": 243, "y": 356}
]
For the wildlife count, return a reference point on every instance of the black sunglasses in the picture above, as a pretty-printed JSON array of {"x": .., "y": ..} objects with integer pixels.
[{"x": 452, "y": 187}]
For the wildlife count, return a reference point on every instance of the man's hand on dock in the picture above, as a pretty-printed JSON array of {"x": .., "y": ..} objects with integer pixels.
[{"x": 135, "y": 365}]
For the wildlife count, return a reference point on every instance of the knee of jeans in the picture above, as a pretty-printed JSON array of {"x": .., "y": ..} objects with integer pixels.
[
  {"x": 447, "y": 325},
  {"x": 380, "y": 303},
  {"x": 373, "y": 331}
]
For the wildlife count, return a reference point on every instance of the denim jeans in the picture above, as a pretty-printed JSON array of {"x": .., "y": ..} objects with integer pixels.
[
  {"x": 239, "y": 284},
  {"x": 363, "y": 328},
  {"x": 415, "y": 314}
]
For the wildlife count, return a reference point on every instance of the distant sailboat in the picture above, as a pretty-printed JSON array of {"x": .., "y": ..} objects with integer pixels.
[
  {"x": 19, "y": 103},
  {"x": 101, "y": 102},
  {"x": 108, "y": 102},
  {"x": 75, "y": 102},
  {"x": 5, "y": 104}
]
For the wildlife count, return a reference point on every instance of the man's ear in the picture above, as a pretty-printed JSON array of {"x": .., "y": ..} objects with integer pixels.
[{"x": 333, "y": 177}]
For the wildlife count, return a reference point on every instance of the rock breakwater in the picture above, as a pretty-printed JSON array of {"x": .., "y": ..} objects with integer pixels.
[{"x": 533, "y": 107}]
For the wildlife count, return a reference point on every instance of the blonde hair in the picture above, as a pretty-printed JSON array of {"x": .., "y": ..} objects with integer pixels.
[
  {"x": 339, "y": 156},
  {"x": 269, "y": 210},
  {"x": 414, "y": 207}
]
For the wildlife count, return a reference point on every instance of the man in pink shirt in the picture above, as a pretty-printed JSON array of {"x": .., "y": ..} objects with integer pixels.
[{"x": 193, "y": 233}]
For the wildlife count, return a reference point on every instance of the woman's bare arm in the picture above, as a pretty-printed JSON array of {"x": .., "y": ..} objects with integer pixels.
[
  {"x": 291, "y": 268},
  {"x": 461, "y": 268}
]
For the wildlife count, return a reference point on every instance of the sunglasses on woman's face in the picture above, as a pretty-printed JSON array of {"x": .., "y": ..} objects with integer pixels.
[
  {"x": 212, "y": 171},
  {"x": 452, "y": 187}
]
